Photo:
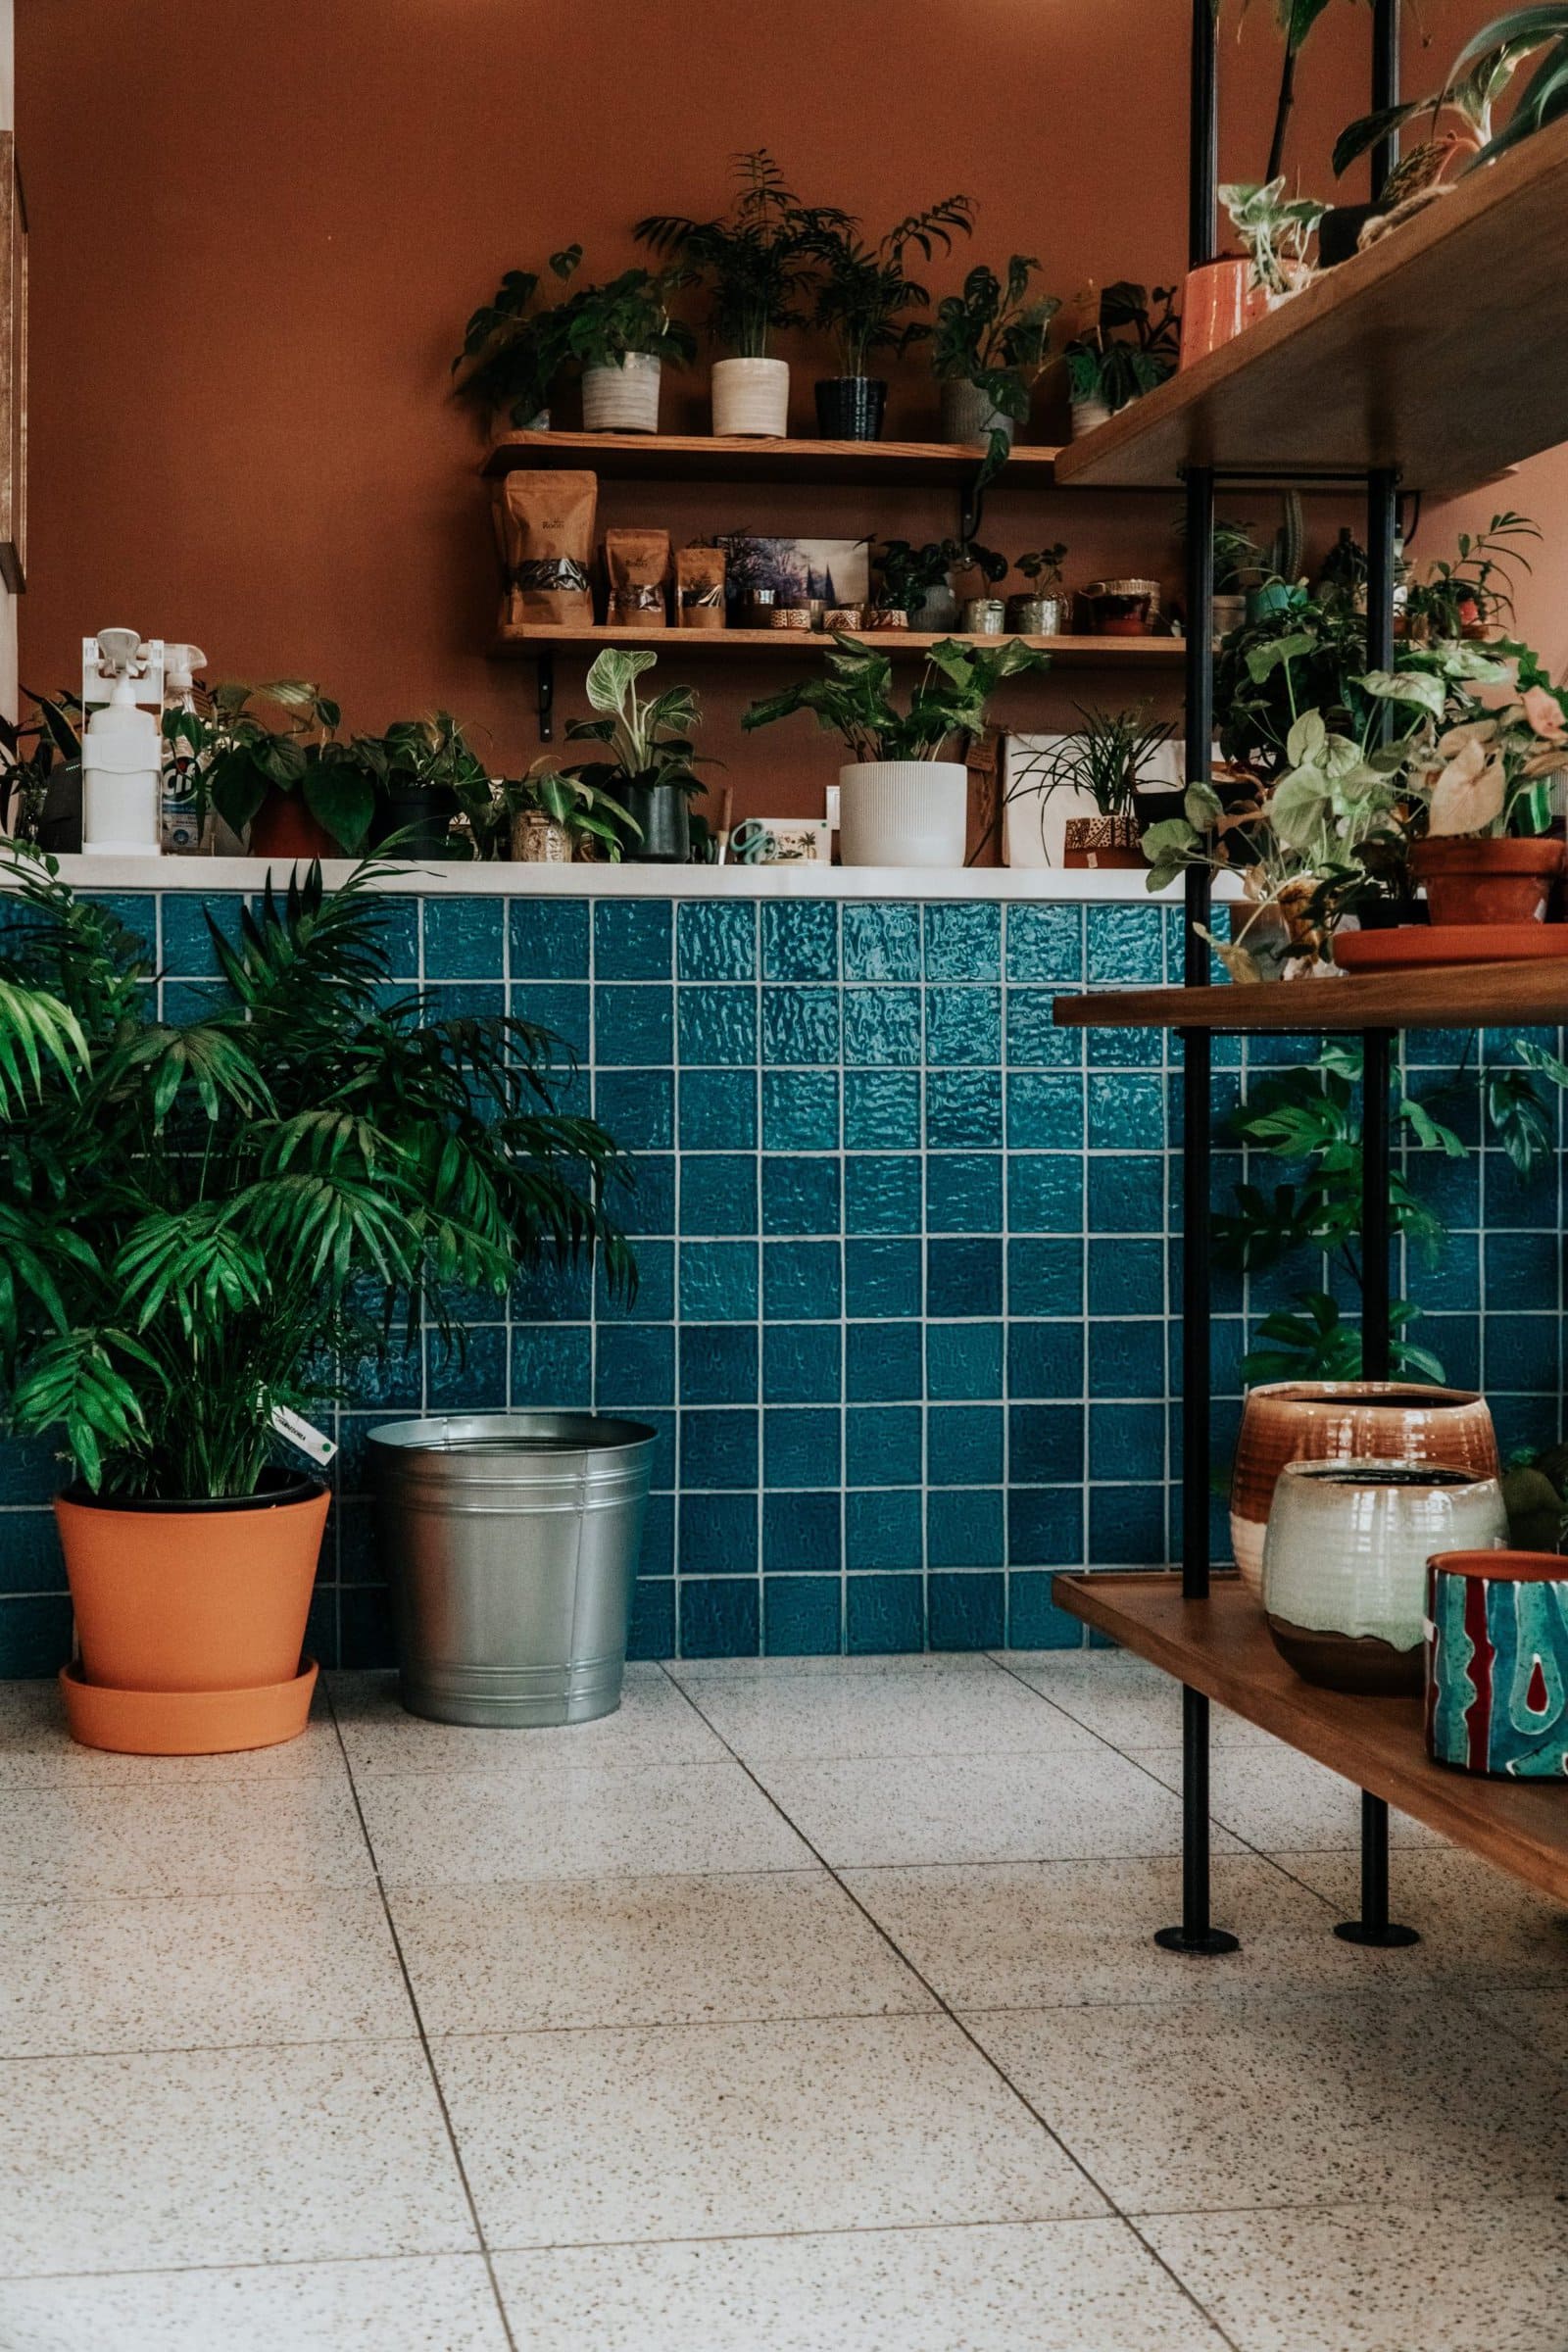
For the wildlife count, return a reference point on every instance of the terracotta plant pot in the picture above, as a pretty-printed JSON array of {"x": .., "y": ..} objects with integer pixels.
[
  {"x": 1486, "y": 881},
  {"x": 1345, "y": 1565},
  {"x": 283, "y": 827},
  {"x": 1343, "y": 1421},
  {"x": 1498, "y": 1663},
  {"x": 190, "y": 1618},
  {"x": 1218, "y": 301}
]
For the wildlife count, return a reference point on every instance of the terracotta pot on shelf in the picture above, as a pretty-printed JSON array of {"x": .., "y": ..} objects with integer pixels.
[
  {"x": 1342, "y": 1421},
  {"x": 1482, "y": 880},
  {"x": 190, "y": 1618},
  {"x": 283, "y": 827},
  {"x": 1219, "y": 299},
  {"x": 1122, "y": 607}
]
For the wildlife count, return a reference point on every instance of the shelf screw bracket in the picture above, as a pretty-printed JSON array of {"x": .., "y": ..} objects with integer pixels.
[{"x": 545, "y": 670}]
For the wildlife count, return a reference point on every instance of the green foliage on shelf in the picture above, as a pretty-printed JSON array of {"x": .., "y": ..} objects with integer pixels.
[
  {"x": 514, "y": 347},
  {"x": 854, "y": 697},
  {"x": 1133, "y": 345},
  {"x": 863, "y": 291},
  {"x": 754, "y": 259}
]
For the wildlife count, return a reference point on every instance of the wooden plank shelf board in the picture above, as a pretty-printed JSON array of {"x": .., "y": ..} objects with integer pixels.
[
  {"x": 737, "y": 458},
  {"x": 1070, "y": 653},
  {"x": 1438, "y": 352},
  {"x": 1463, "y": 996},
  {"x": 1221, "y": 1647}
]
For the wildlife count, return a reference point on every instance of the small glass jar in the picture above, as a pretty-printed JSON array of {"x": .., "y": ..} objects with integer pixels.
[{"x": 760, "y": 608}]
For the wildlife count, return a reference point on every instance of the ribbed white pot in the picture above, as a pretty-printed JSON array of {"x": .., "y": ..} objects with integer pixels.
[
  {"x": 968, "y": 415},
  {"x": 623, "y": 399},
  {"x": 1088, "y": 416},
  {"x": 752, "y": 396},
  {"x": 904, "y": 812}
]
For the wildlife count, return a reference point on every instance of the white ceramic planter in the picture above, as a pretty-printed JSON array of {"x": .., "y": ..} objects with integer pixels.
[
  {"x": 623, "y": 399},
  {"x": 751, "y": 397},
  {"x": 968, "y": 415},
  {"x": 1344, "y": 1563},
  {"x": 904, "y": 812}
]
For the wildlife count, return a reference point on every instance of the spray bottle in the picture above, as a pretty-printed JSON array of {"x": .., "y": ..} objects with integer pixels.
[
  {"x": 182, "y": 796},
  {"x": 121, "y": 762}
]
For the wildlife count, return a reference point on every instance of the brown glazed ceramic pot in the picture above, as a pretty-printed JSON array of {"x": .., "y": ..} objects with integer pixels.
[{"x": 1343, "y": 1421}]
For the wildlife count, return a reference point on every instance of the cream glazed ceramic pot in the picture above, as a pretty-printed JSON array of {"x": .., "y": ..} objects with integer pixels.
[
  {"x": 1341, "y": 1421},
  {"x": 1345, "y": 1565}
]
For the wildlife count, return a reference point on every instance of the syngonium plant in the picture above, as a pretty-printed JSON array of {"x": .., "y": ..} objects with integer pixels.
[
  {"x": 209, "y": 1218},
  {"x": 947, "y": 705}
]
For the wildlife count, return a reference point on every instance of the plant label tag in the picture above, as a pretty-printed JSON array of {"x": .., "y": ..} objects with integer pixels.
[{"x": 301, "y": 1433}]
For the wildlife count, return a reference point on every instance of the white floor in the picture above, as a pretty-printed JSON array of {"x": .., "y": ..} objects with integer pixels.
[{"x": 800, "y": 2007}]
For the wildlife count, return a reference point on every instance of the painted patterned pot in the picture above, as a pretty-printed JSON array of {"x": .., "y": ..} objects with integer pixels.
[
  {"x": 1496, "y": 1642},
  {"x": 1342, "y": 1421}
]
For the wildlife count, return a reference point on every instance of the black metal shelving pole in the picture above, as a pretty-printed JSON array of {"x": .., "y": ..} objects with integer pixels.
[
  {"x": 1197, "y": 1933},
  {"x": 1385, "y": 84}
]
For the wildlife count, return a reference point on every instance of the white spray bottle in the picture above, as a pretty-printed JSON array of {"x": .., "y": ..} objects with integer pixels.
[{"x": 121, "y": 748}]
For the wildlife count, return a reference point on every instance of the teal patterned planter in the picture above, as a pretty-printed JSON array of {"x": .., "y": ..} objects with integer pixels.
[{"x": 1498, "y": 1663}]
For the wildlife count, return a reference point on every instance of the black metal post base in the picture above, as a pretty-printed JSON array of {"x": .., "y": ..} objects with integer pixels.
[
  {"x": 1211, "y": 1941},
  {"x": 1374, "y": 1926},
  {"x": 1197, "y": 1933}
]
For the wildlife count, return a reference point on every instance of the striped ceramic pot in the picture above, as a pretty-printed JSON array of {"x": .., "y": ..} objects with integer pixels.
[
  {"x": 1343, "y": 1421},
  {"x": 1498, "y": 1662}
]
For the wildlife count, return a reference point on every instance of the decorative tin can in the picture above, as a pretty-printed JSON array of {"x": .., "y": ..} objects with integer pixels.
[
  {"x": 791, "y": 617},
  {"x": 887, "y": 616},
  {"x": 844, "y": 616},
  {"x": 1034, "y": 615},
  {"x": 984, "y": 615},
  {"x": 1497, "y": 1639}
]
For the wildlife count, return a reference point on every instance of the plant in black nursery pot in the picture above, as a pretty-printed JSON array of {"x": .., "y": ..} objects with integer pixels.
[
  {"x": 425, "y": 772},
  {"x": 863, "y": 297},
  {"x": 208, "y": 1225},
  {"x": 651, "y": 774}
]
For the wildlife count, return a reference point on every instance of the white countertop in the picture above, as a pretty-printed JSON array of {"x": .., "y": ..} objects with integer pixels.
[{"x": 210, "y": 875}]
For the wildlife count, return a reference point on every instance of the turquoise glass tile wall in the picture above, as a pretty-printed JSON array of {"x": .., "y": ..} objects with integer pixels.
[{"x": 905, "y": 1327}]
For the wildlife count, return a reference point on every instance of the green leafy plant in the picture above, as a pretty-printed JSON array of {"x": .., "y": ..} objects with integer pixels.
[
  {"x": 1238, "y": 558},
  {"x": 604, "y": 324},
  {"x": 31, "y": 749},
  {"x": 1104, "y": 756},
  {"x": 854, "y": 697},
  {"x": 1490, "y": 735},
  {"x": 514, "y": 347},
  {"x": 1306, "y": 652},
  {"x": 905, "y": 575},
  {"x": 583, "y": 812},
  {"x": 863, "y": 291},
  {"x": 1041, "y": 567},
  {"x": 207, "y": 1219},
  {"x": 1133, "y": 346},
  {"x": 994, "y": 335},
  {"x": 1275, "y": 231},
  {"x": 753, "y": 260},
  {"x": 282, "y": 737},
  {"x": 1295, "y": 19},
  {"x": 649, "y": 736},
  {"x": 1462, "y": 596},
  {"x": 1461, "y": 133}
]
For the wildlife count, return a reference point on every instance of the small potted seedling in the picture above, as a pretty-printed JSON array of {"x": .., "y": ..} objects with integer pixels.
[{"x": 1043, "y": 609}]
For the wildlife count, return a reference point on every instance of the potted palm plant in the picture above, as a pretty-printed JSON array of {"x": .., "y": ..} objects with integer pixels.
[
  {"x": 987, "y": 348},
  {"x": 652, "y": 771},
  {"x": 754, "y": 261},
  {"x": 904, "y": 793},
  {"x": 514, "y": 348},
  {"x": 210, "y": 1225},
  {"x": 864, "y": 296},
  {"x": 621, "y": 335},
  {"x": 269, "y": 756}
]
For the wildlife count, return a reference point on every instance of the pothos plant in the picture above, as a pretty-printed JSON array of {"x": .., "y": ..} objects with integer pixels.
[
  {"x": 603, "y": 326},
  {"x": 247, "y": 741},
  {"x": 1275, "y": 230},
  {"x": 947, "y": 705},
  {"x": 207, "y": 1219}
]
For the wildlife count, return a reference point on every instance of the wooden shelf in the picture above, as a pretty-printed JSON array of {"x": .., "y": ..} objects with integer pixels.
[
  {"x": 1071, "y": 653},
  {"x": 1437, "y": 352},
  {"x": 706, "y": 458},
  {"x": 1465, "y": 996},
  {"x": 1221, "y": 1647}
]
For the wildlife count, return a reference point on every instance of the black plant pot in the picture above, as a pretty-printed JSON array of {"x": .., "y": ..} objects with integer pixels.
[
  {"x": 850, "y": 408},
  {"x": 420, "y": 817},
  {"x": 664, "y": 816},
  {"x": 1339, "y": 231}
]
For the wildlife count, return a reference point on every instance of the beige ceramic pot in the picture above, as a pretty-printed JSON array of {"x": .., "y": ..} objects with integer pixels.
[{"x": 1341, "y": 1421}]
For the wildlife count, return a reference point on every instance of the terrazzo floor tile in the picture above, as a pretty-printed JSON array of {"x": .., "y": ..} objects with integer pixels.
[
  {"x": 1122, "y": 1697},
  {"x": 182, "y": 1972},
  {"x": 34, "y": 1745},
  {"x": 978, "y": 1808},
  {"x": 714, "y": 2131},
  {"x": 221, "y": 1837},
  {"x": 769, "y": 1670},
  {"x": 646, "y": 1951},
  {"x": 1531, "y": 2014},
  {"x": 1044, "y": 1934},
  {"x": 422, "y": 2303},
  {"x": 1041, "y": 2287},
  {"x": 1278, "y": 1800},
  {"x": 1289, "y": 2100},
  {"x": 1484, "y": 2276},
  {"x": 821, "y": 1717},
  {"x": 443, "y": 1829},
  {"x": 1476, "y": 1923},
  {"x": 655, "y": 1724},
  {"x": 225, "y": 2156}
]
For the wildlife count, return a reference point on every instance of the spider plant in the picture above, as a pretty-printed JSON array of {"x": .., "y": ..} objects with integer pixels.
[{"x": 209, "y": 1219}]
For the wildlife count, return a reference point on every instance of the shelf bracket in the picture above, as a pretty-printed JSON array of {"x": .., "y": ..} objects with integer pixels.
[
  {"x": 972, "y": 506},
  {"x": 545, "y": 672}
]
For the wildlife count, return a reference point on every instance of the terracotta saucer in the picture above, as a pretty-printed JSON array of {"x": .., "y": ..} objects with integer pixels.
[
  {"x": 1421, "y": 946},
  {"x": 186, "y": 1722}
]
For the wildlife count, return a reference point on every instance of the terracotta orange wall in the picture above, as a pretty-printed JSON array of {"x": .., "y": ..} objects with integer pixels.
[{"x": 257, "y": 231}]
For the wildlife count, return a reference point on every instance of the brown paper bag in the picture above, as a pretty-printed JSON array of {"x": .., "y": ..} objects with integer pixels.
[
  {"x": 699, "y": 587},
  {"x": 637, "y": 568},
  {"x": 545, "y": 533}
]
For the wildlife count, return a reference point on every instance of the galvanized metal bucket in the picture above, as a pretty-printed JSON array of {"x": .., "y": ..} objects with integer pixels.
[{"x": 510, "y": 1541}]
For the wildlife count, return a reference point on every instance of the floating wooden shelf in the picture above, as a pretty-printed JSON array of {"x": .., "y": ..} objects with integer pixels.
[
  {"x": 1437, "y": 352},
  {"x": 1221, "y": 1647},
  {"x": 1071, "y": 653},
  {"x": 737, "y": 458},
  {"x": 1463, "y": 996}
]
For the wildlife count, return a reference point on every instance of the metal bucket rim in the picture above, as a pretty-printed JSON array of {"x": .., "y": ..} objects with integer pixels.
[{"x": 518, "y": 1432}]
